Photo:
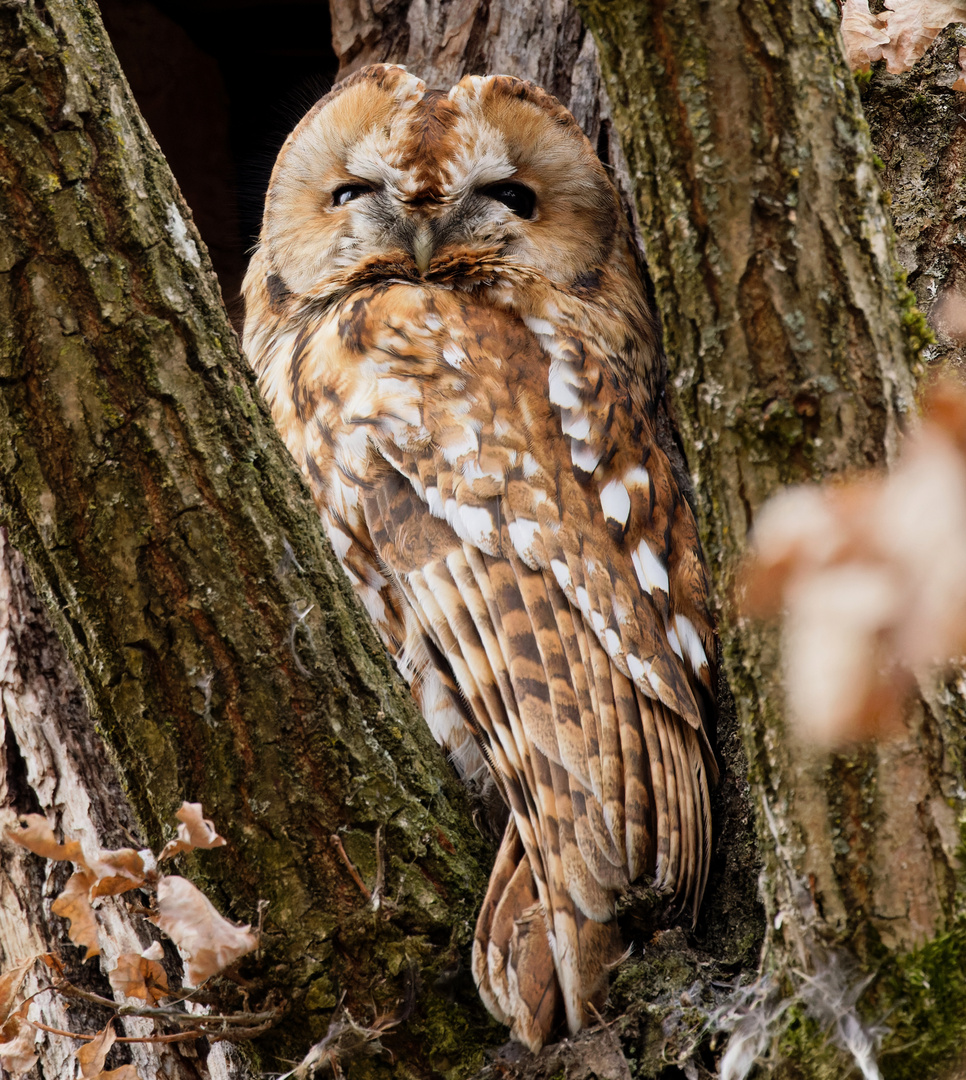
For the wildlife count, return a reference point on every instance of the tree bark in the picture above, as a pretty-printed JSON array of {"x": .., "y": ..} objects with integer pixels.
[
  {"x": 52, "y": 757},
  {"x": 792, "y": 341},
  {"x": 222, "y": 652},
  {"x": 918, "y": 131}
]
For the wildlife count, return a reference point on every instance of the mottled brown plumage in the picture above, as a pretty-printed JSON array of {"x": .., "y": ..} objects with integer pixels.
[{"x": 448, "y": 322}]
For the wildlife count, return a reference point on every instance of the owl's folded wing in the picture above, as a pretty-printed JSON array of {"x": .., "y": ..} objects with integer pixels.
[{"x": 569, "y": 606}]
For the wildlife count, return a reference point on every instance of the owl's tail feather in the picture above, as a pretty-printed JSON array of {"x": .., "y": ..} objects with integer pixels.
[{"x": 513, "y": 962}]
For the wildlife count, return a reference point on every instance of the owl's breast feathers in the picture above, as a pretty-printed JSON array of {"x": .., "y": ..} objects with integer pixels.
[{"x": 490, "y": 480}]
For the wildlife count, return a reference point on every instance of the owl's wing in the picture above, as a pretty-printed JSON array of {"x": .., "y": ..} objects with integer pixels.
[{"x": 569, "y": 606}]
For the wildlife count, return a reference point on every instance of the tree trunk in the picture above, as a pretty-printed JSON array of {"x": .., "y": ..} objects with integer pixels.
[
  {"x": 221, "y": 650},
  {"x": 918, "y": 134},
  {"x": 792, "y": 341},
  {"x": 52, "y": 757},
  {"x": 226, "y": 661}
]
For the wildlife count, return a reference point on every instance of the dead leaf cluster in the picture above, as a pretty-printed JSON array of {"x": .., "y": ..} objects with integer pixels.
[
  {"x": 900, "y": 35},
  {"x": 207, "y": 941},
  {"x": 16, "y": 1034},
  {"x": 871, "y": 579}
]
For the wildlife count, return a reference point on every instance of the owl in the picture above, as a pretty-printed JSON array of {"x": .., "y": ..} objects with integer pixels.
[{"x": 447, "y": 318}]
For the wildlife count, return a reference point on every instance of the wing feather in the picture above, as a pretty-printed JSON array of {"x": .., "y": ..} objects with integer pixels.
[
  {"x": 583, "y": 688},
  {"x": 643, "y": 755}
]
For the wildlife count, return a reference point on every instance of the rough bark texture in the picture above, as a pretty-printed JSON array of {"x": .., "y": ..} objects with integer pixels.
[
  {"x": 223, "y": 655},
  {"x": 51, "y": 757},
  {"x": 791, "y": 339},
  {"x": 919, "y": 134}
]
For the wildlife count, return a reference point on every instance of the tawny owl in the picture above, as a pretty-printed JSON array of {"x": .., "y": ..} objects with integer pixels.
[{"x": 447, "y": 319}]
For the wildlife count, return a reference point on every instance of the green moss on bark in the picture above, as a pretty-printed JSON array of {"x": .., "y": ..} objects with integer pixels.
[{"x": 919, "y": 995}]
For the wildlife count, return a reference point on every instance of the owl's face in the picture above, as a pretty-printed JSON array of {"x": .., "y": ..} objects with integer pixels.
[{"x": 384, "y": 172}]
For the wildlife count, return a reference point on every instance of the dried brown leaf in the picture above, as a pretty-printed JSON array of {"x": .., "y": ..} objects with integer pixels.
[
  {"x": 872, "y": 579},
  {"x": 74, "y": 904},
  {"x": 17, "y": 1040},
  {"x": 10, "y": 983},
  {"x": 92, "y": 1055},
  {"x": 140, "y": 976},
  {"x": 208, "y": 941},
  {"x": 862, "y": 34},
  {"x": 37, "y": 836},
  {"x": 113, "y": 871},
  {"x": 116, "y": 872},
  {"x": 901, "y": 34},
  {"x": 196, "y": 831},
  {"x": 913, "y": 25}
]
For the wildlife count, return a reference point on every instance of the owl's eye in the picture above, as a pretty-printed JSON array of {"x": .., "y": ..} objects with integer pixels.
[
  {"x": 516, "y": 197},
  {"x": 348, "y": 192}
]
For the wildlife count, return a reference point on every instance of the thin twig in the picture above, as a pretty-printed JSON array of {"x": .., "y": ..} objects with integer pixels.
[
  {"x": 239, "y": 1034},
  {"x": 152, "y": 1012},
  {"x": 68, "y": 989},
  {"x": 196, "y": 1019},
  {"x": 353, "y": 872},
  {"x": 178, "y": 1036}
]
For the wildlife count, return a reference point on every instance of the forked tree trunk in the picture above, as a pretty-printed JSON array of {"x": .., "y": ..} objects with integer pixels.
[{"x": 225, "y": 660}]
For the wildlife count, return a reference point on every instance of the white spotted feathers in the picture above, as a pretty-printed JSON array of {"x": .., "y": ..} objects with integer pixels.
[{"x": 447, "y": 320}]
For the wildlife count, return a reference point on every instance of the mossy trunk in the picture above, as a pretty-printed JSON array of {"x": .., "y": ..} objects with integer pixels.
[
  {"x": 793, "y": 342},
  {"x": 221, "y": 650}
]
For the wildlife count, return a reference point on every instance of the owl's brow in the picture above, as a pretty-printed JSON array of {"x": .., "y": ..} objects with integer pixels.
[{"x": 430, "y": 125}]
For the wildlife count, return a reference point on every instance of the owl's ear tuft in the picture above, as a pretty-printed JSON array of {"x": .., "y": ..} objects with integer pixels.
[
  {"x": 392, "y": 78},
  {"x": 508, "y": 86},
  {"x": 389, "y": 77}
]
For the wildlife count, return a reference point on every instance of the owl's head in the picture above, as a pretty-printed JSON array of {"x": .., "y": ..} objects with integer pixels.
[{"x": 383, "y": 172}]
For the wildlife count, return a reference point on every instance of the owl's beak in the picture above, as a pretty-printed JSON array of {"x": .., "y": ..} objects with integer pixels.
[{"x": 423, "y": 247}]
